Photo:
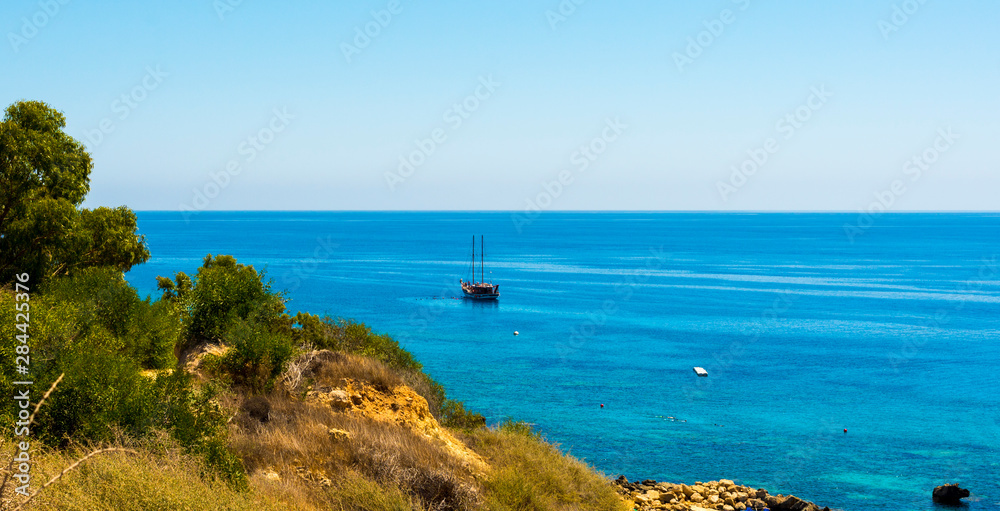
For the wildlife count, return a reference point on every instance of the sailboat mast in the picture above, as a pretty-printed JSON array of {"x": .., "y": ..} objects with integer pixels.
[
  {"x": 482, "y": 256},
  {"x": 473, "y": 257}
]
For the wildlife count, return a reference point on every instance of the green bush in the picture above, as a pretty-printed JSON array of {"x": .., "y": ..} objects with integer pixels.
[
  {"x": 102, "y": 392},
  {"x": 222, "y": 293},
  {"x": 454, "y": 414},
  {"x": 256, "y": 356},
  {"x": 199, "y": 425},
  {"x": 351, "y": 337},
  {"x": 102, "y": 299}
]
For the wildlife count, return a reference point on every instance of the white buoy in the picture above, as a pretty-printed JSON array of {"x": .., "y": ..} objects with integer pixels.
[
  {"x": 700, "y": 372},
  {"x": 516, "y": 333}
]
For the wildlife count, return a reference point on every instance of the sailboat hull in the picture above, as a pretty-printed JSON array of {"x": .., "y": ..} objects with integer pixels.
[
  {"x": 482, "y": 296},
  {"x": 481, "y": 291}
]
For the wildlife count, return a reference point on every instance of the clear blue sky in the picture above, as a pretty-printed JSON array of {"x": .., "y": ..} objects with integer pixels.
[{"x": 893, "y": 85}]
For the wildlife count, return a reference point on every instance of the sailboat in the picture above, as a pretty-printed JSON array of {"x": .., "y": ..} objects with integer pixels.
[{"x": 479, "y": 290}]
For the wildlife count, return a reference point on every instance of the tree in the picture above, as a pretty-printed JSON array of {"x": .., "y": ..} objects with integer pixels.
[{"x": 44, "y": 177}]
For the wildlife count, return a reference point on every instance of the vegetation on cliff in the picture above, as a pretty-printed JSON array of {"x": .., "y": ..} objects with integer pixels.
[{"x": 216, "y": 395}]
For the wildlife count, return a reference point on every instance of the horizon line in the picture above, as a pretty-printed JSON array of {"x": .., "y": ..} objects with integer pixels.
[{"x": 516, "y": 211}]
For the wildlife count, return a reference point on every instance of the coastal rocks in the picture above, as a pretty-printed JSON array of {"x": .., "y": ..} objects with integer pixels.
[
  {"x": 793, "y": 503},
  {"x": 949, "y": 494},
  {"x": 722, "y": 495}
]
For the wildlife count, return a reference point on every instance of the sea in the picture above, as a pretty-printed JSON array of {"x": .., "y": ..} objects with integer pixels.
[{"x": 853, "y": 360}]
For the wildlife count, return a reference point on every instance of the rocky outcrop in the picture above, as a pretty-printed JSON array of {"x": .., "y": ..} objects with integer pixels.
[
  {"x": 949, "y": 494},
  {"x": 721, "y": 495},
  {"x": 400, "y": 405}
]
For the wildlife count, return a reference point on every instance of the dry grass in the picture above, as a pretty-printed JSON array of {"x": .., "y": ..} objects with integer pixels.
[
  {"x": 298, "y": 457},
  {"x": 144, "y": 482},
  {"x": 530, "y": 474},
  {"x": 332, "y": 367},
  {"x": 296, "y": 442}
]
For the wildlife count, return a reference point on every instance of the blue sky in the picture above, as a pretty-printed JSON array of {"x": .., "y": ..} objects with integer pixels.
[{"x": 268, "y": 105}]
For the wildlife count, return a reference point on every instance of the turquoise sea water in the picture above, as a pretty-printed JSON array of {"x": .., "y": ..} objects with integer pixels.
[{"x": 894, "y": 336}]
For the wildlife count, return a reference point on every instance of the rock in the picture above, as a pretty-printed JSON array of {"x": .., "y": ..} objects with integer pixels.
[
  {"x": 793, "y": 503},
  {"x": 696, "y": 497},
  {"x": 356, "y": 399},
  {"x": 949, "y": 494},
  {"x": 339, "y": 399},
  {"x": 727, "y": 507},
  {"x": 726, "y": 482},
  {"x": 271, "y": 475},
  {"x": 338, "y": 434},
  {"x": 649, "y": 482},
  {"x": 652, "y": 495}
]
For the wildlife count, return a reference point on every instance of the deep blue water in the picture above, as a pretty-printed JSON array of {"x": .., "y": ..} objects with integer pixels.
[{"x": 894, "y": 336}]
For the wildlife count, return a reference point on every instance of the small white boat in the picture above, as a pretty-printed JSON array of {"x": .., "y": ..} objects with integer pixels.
[{"x": 700, "y": 371}]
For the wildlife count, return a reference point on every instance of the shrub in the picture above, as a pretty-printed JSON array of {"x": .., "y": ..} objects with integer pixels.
[
  {"x": 351, "y": 337},
  {"x": 102, "y": 392},
  {"x": 454, "y": 414},
  {"x": 223, "y": 293},
  {"x": 102, "y": 299},
  {"x": 256, "y": 358},
  {"x": 193, "y": 418}
]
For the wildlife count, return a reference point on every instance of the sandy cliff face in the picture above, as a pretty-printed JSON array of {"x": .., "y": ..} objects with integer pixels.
[{"x": 400, "y": 406}]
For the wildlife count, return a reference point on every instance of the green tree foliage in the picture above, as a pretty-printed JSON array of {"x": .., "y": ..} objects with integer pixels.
[
  {"x": 231, "y": 303},
  {"x": 102, "y": 299},
  {"x": 222, "y": 292},
  {"x": 44, "y": 177},
  {"x": 93, "y": 327}
]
